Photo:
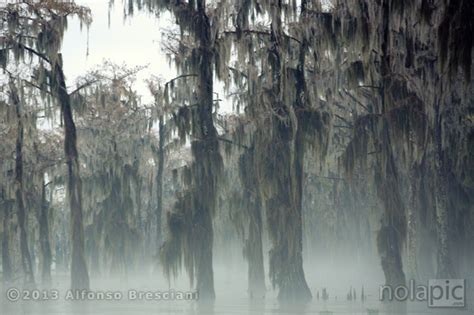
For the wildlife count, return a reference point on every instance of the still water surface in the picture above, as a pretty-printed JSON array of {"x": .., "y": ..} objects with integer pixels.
[{"x": 231, "y": 299}]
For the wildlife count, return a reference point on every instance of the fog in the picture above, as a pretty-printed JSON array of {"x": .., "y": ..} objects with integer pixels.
[
  {"x": 337, "y": 277},
  {"x": 236, "y": 157}
]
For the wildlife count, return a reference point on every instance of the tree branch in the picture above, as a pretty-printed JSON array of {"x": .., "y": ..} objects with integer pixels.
[
  {"x": 180, "y": 77},
  {"x": 83, "y": 86},
  {"x": 356, "y": 100},
  {"x": 37, "y": 87},
  {"x": 232, "y": 142}
]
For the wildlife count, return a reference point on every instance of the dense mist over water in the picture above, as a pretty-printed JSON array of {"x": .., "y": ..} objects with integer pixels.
[{"x": 231, "y": 293}]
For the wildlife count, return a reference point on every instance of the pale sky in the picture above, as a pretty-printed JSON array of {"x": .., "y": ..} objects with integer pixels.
[{"x": 134, "y": 41}]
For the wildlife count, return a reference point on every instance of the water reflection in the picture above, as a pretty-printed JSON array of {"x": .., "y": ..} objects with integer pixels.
[{"x": 230, "y": 301}]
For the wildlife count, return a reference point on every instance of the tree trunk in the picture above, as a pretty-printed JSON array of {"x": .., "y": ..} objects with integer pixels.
[
  {"x": 285, "y": 224},
  {"x": 412, "y": 242},
  {"x": 19, "y": 193},
  {"x": 6, "y": 241},
  {"x": 393, "y": 229},
  {"x": 256, "y": 272},
  {"x": 79, "y": 273},
  {"x": 445, "y": 267},
  {"x": 299, "y": 149},
  {"x": 159, "y": 182},
  {"x": 140, "y": 250},
  {"x": 207, "y": 159},
  {"x": 252, "y": 204},
  {"x": 284, "y": 213},
  {"x": 253, "y": 197},
  {"x": 44, "y": 237},
  {"x": 393, "y": 225},
  {"x": 94, "y": 256}
]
